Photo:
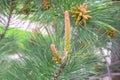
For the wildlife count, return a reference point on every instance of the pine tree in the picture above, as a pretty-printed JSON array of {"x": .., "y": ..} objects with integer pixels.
[{"x": 75, "y": 29}]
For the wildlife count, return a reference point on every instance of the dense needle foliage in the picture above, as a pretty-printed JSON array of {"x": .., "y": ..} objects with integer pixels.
[{"x": 34, "y": 55}]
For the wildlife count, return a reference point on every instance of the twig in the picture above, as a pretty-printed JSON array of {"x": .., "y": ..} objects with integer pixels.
[
  {"x": 8, "y": 23},
  {"x": 59, "y": 70}
]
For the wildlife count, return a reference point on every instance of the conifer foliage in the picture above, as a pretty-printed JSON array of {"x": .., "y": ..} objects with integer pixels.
[{"x": 75, "y": 29}]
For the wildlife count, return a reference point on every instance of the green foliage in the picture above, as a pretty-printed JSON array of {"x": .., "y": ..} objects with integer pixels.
[{"x": 34, "y": 54}]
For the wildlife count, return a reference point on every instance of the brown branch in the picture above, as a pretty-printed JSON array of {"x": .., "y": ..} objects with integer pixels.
[
  {"x": 8, "y": 23},
  {"x": 62, "y": 65}
]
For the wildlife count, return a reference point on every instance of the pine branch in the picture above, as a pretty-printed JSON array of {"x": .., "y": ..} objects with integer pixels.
[
  {"x": 57, "y": 74},
  {"x": 60, "y": 69},
  {"x": 67, "y": 54},
  {"x": 9, "y": 18}
]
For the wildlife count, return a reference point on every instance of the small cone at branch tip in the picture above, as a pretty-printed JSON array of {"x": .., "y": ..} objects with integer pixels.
[
  {"x": 111, "y": 33},
  {"x": 67, "y": 32},
  {"x": 53, "y": 48},
  {"x": 81, "y": 14},
  {"x": 46, "y": 4}
]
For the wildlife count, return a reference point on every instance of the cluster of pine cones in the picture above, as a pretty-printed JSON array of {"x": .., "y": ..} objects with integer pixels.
[{"x": 81, "y": 14}]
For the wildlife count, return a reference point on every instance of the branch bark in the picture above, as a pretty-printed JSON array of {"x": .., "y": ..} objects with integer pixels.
[
  {"x": 60, "y": 69},
  {"x": 8, "y": 23}
]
